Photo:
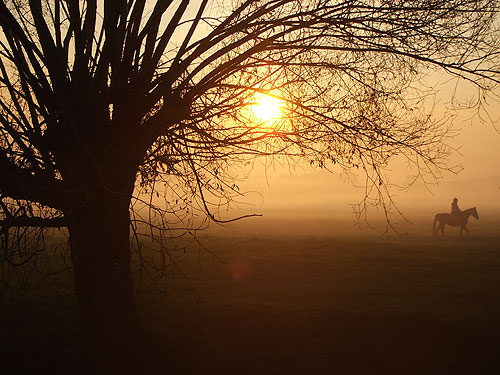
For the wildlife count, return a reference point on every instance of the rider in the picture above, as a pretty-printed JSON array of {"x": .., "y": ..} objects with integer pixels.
[{"x": 454, "y": 207}]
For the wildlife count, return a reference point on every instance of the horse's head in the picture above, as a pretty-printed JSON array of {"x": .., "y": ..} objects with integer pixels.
[{"x": 474, "y": 213}]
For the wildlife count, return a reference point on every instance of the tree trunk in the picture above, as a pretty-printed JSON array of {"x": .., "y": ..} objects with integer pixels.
[{"x": 100, "y": 249}]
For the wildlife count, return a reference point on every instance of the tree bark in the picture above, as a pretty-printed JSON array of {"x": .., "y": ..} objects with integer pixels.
[{"x": 100, "y": 249}]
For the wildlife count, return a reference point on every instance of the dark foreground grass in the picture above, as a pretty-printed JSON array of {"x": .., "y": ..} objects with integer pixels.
[{"x": 292, "y": 304}]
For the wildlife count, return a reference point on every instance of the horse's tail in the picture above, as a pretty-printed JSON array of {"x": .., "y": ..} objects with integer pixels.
[{"x": 434, "y": 224}]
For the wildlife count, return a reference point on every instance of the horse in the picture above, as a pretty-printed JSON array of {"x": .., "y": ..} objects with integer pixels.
[{"x": 455, "y": 220}]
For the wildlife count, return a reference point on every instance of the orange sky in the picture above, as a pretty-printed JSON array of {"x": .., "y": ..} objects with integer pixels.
[{"x": 320, "y": 193}]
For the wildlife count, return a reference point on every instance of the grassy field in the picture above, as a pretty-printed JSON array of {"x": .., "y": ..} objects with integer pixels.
[{"x": 282, "y": 299}]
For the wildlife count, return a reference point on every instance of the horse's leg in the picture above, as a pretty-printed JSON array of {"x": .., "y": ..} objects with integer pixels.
[
  {"x": 442, "y": 228},
  {"x": 466, "y": 230}
]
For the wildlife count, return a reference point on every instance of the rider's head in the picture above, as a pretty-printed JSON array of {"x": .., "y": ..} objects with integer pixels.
[{"x": 455, "y": 200}]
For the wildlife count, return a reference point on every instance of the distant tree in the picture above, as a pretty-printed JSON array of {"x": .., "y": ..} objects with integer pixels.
[{"x": 101, "y": 98}]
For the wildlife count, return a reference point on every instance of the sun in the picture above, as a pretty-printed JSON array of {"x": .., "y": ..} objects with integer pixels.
[{"x": 267, "y": 109}]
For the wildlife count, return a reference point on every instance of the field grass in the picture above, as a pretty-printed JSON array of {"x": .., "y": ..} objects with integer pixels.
[{"x": 279, "y": 299}]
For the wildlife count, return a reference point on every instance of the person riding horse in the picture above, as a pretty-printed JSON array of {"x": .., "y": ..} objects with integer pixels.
[{"x": 457, "y": 218}]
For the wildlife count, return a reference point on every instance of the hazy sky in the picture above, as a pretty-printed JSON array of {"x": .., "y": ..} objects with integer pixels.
[
  {"x": 320, "y": 192},
  {"x": 279, "y": 192}
]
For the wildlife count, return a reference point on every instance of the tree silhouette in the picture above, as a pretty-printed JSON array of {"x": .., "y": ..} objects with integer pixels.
[{"x": 99, "y": 99}]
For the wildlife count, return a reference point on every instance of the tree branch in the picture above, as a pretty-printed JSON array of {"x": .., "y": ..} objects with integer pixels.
[
  {"x": 18, "y": 183},
  {"x": 38, "y": 222}
]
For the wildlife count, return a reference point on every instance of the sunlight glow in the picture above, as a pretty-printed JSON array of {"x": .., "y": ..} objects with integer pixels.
[{"x": 267, "y": 109}]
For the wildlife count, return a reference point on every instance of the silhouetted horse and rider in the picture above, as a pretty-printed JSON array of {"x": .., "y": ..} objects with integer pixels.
[{"x": 457, "y": 218}]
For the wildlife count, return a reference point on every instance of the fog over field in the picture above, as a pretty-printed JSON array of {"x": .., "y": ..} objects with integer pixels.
[
  {"x": 302, "y": 192},
  {"x": 323, "y": 198}
]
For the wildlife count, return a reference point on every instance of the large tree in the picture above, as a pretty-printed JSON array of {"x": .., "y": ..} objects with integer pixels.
[{"x": 98, "y": 98}]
